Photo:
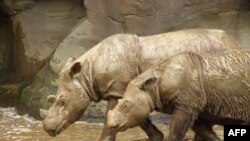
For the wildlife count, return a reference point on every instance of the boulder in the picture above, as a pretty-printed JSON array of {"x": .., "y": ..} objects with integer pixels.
[
  {"x": 40, "y": 27},
  {"x": 30, "y": 31}
]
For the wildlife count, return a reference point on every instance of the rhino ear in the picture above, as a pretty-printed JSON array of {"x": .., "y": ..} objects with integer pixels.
[
  {"x": 149, "y": 83},
  {"x": 75, "y": 68},
  {"x": 51, "y": 98}
]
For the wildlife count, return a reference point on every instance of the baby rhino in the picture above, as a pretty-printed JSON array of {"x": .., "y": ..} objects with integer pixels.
[{"x": 198, "y": 91}]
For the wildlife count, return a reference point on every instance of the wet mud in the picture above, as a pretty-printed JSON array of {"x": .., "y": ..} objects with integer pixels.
[{"x": 23, "y": 128}]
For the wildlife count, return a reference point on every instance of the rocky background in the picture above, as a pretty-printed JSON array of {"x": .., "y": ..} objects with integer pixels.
[{"x": 38, "y": 36}]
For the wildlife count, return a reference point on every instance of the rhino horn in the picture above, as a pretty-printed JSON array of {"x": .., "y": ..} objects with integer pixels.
[{"x": 43, "y": 113}]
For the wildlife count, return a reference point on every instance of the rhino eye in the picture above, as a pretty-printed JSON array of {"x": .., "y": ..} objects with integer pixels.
[
  {"x": 126, "y": 104},
  {"x": 63, "y": 102}
]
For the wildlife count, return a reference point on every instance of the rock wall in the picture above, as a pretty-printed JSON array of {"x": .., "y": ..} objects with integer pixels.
[
  {"x": 34, "y": 29},
  {"x": 43, "y": 34}
]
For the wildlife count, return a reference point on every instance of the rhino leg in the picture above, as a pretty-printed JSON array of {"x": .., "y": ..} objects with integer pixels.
[
  {"x": 204, "y": 131},
  {"x": 180, "y": 124},
  {"x": 107, "y": 133},
  {"x": 151, "y": 130}
]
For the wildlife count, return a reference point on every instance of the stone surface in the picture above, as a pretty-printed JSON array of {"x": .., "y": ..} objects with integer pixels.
[
  {"x": 30, "y": 31},
  {"x": 52, "y": 31},
  {"x": 38, "y": 28},
  {"x": 42, "y": 28},
  {"x": 74, "y": 45}
]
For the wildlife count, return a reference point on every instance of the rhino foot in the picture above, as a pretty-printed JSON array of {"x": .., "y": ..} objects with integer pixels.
[
  {"x": 151, "y": 130},
  {"x": 198, "y": 138},
  {"x": 157, "y": 137}
]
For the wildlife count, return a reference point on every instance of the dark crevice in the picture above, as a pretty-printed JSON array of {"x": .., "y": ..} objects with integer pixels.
[{"x": 6, "y": 50}]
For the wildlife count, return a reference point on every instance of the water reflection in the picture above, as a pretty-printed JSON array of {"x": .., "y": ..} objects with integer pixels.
[{"x": 23, "y": 128}]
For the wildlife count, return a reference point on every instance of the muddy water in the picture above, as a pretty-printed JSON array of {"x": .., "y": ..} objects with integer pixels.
[{"x": 23, "y": 128}]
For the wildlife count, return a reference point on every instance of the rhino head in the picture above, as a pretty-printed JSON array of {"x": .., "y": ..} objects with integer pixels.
[
  {"x": 134, "y": 107},
  {"x": 69, "y": 103}
]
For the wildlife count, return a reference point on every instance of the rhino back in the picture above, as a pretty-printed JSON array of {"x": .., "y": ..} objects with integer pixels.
[
  {"x": 227, "y": 85},
  {"x": 157, "y": 48}
]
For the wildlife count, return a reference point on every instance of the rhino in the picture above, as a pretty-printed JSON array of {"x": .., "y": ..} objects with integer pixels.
[
  {"x": 103, "y": 73},
  {"x": 198, "y": 90}
]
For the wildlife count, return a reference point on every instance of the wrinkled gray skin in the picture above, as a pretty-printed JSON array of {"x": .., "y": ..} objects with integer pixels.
[
  {"x": 198, "y": 91},
  {"x": 105, "y": 70}
]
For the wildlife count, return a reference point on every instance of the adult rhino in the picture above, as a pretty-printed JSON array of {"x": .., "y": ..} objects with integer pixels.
[
  {"x": 199, "y": 91},
  {"x": 105, "y": 70}
]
